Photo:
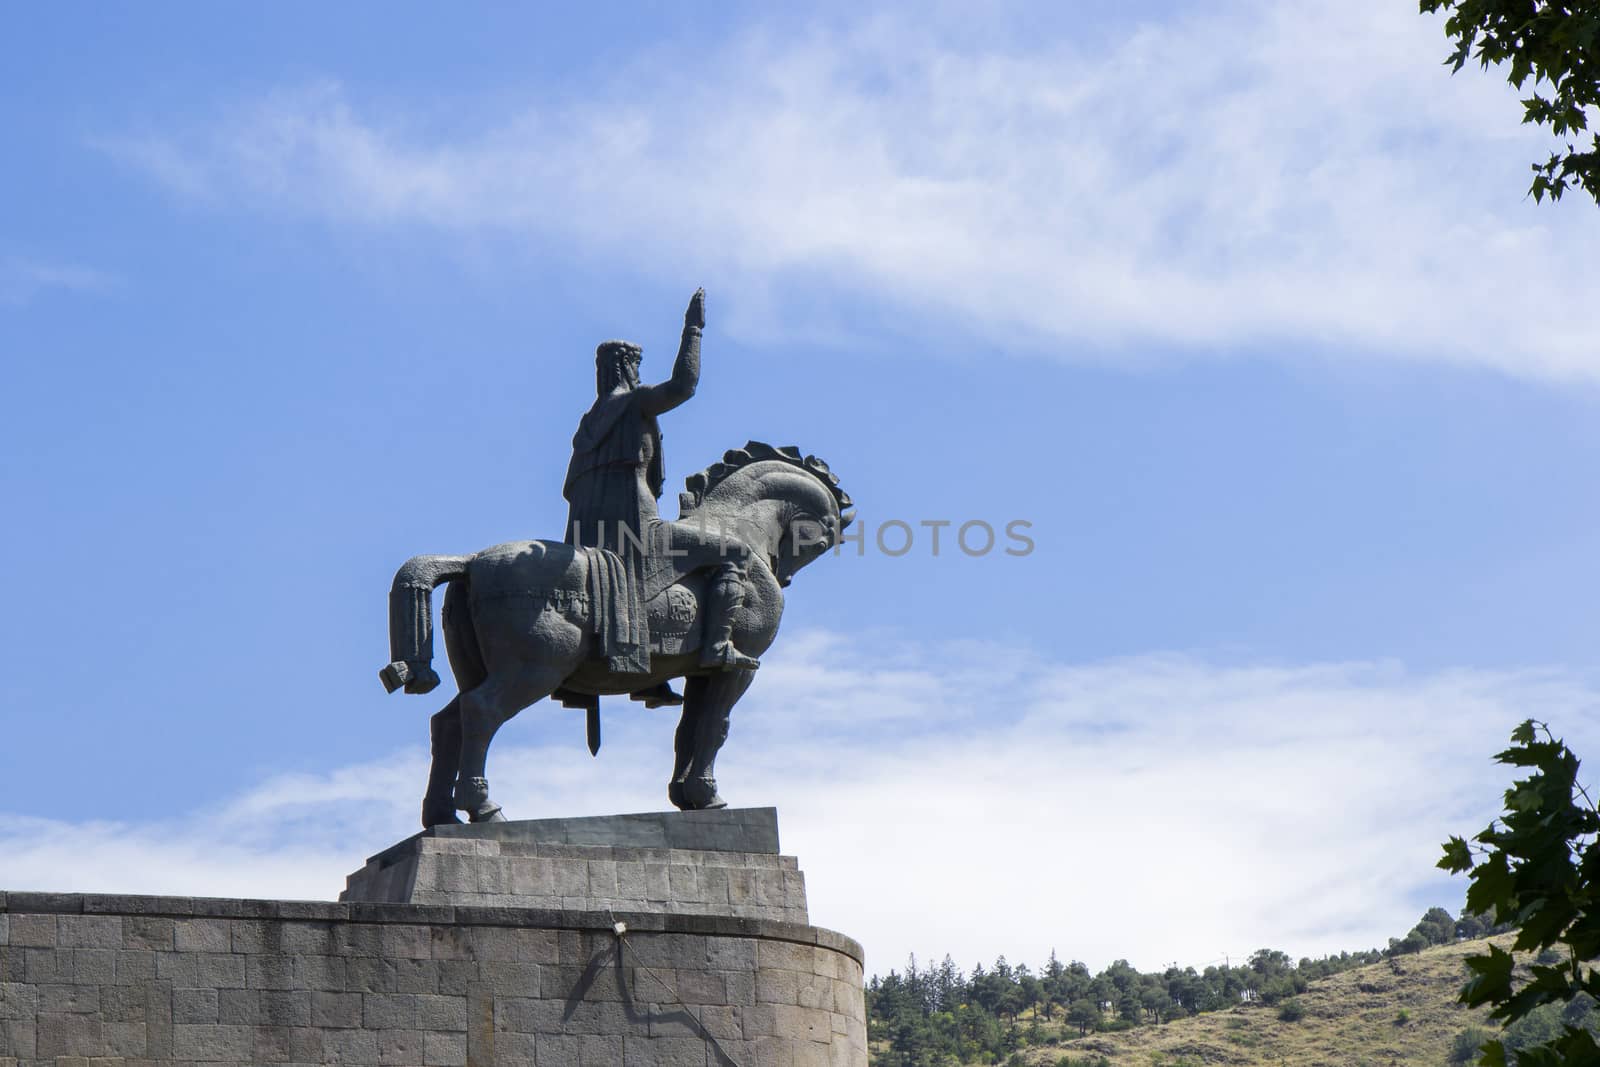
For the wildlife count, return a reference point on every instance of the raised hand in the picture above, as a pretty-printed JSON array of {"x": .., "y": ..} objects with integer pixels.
[{"x": 696, "y": 315}]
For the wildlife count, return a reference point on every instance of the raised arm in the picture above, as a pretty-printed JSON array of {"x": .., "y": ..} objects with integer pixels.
[{"x": 654, "y": 399}]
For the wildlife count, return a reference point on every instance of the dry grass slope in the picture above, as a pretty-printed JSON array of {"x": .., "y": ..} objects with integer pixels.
[{"x": 1351, "y": 1020}]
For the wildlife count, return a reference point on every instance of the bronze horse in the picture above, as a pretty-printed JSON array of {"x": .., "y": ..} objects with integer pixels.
[{"x": 519, "y": 625}]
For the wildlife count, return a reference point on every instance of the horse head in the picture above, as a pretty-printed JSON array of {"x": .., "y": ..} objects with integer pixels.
[{"x": 785, "y": 506}]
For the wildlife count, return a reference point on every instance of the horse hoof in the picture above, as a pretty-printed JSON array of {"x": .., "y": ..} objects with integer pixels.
[
  {"x": 700, "y": 794},
  {"x": 489, "y": 814},
  {"x": 438, "y": 815},
  {"x": 676, "y": 797}
]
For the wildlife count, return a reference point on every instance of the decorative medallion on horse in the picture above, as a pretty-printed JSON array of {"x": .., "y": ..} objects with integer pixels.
[{"x": 628, "y": 601}]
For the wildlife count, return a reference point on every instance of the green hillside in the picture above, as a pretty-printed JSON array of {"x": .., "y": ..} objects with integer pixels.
[
  {"x": 1388, "y": 1007},
  {"x": 1400, "y": 1011}
]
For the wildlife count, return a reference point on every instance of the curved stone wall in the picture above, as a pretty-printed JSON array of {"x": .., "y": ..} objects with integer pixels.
[{"x": 108, "y": 980}]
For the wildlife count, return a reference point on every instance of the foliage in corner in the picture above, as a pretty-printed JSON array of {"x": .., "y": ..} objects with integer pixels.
[
  {"x": 1538, "y": 868},
  {"x": 1557, "y": 44}
]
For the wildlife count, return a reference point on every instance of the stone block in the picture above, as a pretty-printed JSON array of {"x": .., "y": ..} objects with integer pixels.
[
  {"x": 308, "y": 939},
  {"x": 18, "y": 1038},
  {"x": 135, "y": 967},
  {"x": 125, "y": 1040},
  {"x": 69, "y": 1035},
  {"x": 283, "y": 1007},
  {"x": 194, "y": 1005},
  {"x": 41, "y": 966},
  {"x": 700, "y": 987},
  {"x": 213, "y": 1042},
  {"x": 269, "y": 972},
  {"x": 455, "y": 977},
  {"x": 815, "y": 992},
  {"x": 237, "y": 1007},
  {"x": 444, "y": 1049},
  {"x": 33, "y": 931},
  {"x": 146, "y": 931},
  {"x": 795, "y": 1021},
  {"x": 89, "y": 931},
  {"x": 785, "y": 956},
  {"x": 683, "y": 882},
  {"x": 400, "y": 1047},
  {"x": 336, "y": 1010},
  {"x": 569, "y": 877},
  {"x": 663, "y": 1052},
  {"x": 439, "y": 1012},
  {"x": 515, "y": 1048},
  {"x": 406, "y": 942},
  {"x": 270, "y": 1044},
  {"x": 121, "y": 1004},
  {"x": 217, "y": 971},
  {"x": 320, "y": 972},
  {"x": 772, "y": 1052},
  {"x": 349, "y": 1046},
  {"x": 202, "y": 935},
  {"x": 76, "y": 999},
  {"x": 657, "y": 882},
  {"x": 776, "y": 986},
  {"x": 96, "y": 966},
  {"x": 731, "y": 953},
  {"x": 595, "y": 1017},
  {"x": 389, "y": 1011}
]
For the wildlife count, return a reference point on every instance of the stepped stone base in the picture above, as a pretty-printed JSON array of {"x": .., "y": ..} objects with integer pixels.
[
  {"x": 123, "y": 980},
  {"x": 698, "y": 862}
]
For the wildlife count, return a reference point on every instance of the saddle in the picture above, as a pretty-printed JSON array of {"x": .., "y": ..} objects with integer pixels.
[{"x": 670, "y": 624}]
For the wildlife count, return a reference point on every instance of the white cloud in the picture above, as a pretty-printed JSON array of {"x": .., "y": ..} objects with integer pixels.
[
  {"x": 1251, "y": 175},
  {"x": 971, "y": 800},
  {"x": 23, "y": 279}
]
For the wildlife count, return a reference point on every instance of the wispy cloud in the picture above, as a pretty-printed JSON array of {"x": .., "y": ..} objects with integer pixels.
[
  {"x": 1244, "y": 176},
  {"x": 972, "y": 800},
  {"x": 23, "y": 279}
]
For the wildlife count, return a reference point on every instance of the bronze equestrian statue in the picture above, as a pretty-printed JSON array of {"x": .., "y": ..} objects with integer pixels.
[{"x": 628, "y": 601}]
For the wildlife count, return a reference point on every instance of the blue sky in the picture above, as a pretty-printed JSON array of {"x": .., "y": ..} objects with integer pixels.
[{"x": 1240, "y": 306}]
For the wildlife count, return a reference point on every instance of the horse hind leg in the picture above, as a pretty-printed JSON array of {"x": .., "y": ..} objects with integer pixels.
[
  {"x": 444, "y": 729},
  {"x": 483, "y": 710}
]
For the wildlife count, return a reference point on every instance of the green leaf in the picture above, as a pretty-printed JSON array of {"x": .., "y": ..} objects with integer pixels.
[
  {"x": 1491, "y": 977},
  {"x": 1457, "y": 856}
]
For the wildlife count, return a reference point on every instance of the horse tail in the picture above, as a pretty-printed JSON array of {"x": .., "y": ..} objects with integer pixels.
[{"x": 411, "y": 621}]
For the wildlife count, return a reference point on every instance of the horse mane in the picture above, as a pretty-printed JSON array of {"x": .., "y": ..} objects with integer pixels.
[{"x": 736, "y": 459}]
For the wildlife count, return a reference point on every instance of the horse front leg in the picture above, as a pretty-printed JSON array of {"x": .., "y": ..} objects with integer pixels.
[{"x": 708, "y": 705}]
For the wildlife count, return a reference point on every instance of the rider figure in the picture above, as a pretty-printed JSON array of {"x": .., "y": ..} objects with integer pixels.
[{"x": 615, "y": 479}]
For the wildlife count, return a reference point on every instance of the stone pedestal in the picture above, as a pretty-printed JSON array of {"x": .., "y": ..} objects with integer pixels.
[{"x": 722, "y": 863}]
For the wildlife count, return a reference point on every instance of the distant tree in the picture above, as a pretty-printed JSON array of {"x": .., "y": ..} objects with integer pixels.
[
  {"x": 1538, "y": 866},
  {"x": 1053, "y": 984},
  {"x": 1557, "y": 44},
  {"x": 1084, "y": 1014},
  {"x": 1030, "y": 989},
  {"x": 1437, "y": 927},
  {"x": 947, "y": 985}
]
